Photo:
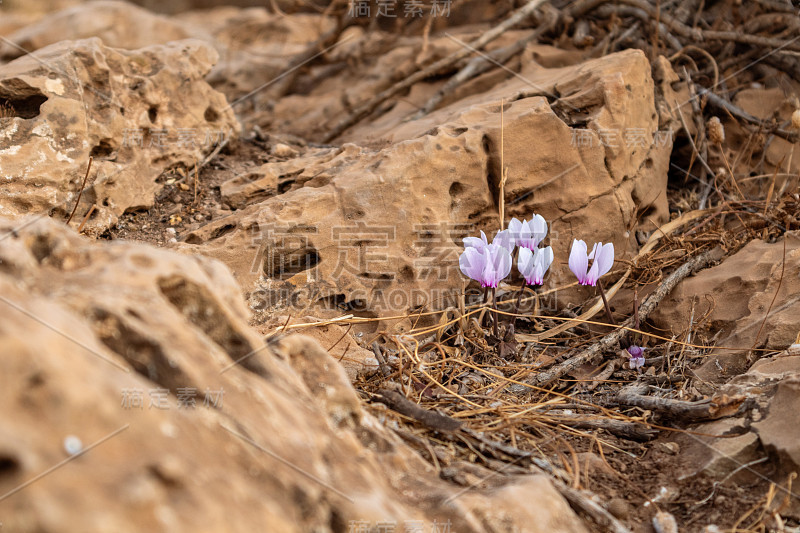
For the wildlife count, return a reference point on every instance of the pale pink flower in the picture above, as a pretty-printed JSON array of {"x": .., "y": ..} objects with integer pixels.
[
  {"x": 528, "y": 233},
  {"x": 602, "y": 256},
  {"x": 488, "y": 264},
  {"x": 533, "y": 264}
]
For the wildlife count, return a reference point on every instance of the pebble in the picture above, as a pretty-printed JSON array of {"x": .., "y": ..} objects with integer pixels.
[
  {"x": 671, "y": 448},
  {"x": 73, "y": 445},
  {"x": 619, "y": 508},
  {"x": 283, "y": 150},
  {"x": 664, "y": 522}
]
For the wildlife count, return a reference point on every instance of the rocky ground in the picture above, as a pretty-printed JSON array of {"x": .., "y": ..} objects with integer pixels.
[{"x": 229, "y": 281}]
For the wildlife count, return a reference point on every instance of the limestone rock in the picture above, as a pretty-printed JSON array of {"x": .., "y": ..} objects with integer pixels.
[
  {"x": 767, "y": 427},
  {"x": 339, "y": 341},
  {"x": 378, "y": 231},
  {"x": 80, "y": 99},
  {"x": 131, "y": 350},
  {"x": 117, "y": 23},
  {"x": 736, "y": 320},
  {"x": 779, "y": 430},
  {"x": 249, "y": 188}
]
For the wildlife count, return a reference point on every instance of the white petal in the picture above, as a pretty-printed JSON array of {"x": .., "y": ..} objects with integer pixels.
[
  {"x": 525, "y": 263},
  {"x": 578, "y": 262}
]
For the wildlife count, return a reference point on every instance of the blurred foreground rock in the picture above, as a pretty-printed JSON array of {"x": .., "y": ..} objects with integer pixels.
[{"x": 130, "y": 349}]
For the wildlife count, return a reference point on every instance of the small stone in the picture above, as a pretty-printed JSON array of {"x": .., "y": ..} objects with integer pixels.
[
  {"x": 198, "y": 217},
  {"x": 183, "y": 186},
  {"x": 671, "y": 448},
  {"x": 619, "y": 508},
  {"x": 283, "y": 150},
  {"x": 663, "y": 522},
  {"x": 171, "y": 231},
  {"x": 796, "y": 119},
  {"x": 73, "y": 445}
]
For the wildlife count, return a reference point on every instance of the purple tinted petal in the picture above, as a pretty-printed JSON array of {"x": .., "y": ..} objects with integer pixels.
[
  {"x": 592, "y": 275},
  {"x": 498, "y": 265},
  {"x": 594, "y": 250},
  {"x": 578, "y": 262},
  {"x": 504, "y": 239},
  {"x": 474, "y": 242},
  {"x": 525, "y": 238},
  {"x": 504, "y": 264},
  {"x": 472, "y": 263},
  {"x": 635, "y": 351},
  {"x": 542, "y": 261}
]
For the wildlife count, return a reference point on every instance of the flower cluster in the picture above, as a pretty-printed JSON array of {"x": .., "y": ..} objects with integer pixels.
[{"x": 489, "y": 263}]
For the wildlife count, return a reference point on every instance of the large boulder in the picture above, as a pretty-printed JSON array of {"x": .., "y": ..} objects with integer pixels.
[
  {"x": 119, "y": 24},
  {"x": 378, "y": 231},
  {"x": 133, "y": 372}
]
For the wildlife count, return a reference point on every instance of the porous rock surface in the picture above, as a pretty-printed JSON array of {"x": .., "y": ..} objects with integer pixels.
[
  {"x": 379, "y": 230},
  {"x": 280, "y": 443},
  {"x": 750, "y": 300},
  {"x": 767, "y": 426},
  {"x": 80, "y": 99}
]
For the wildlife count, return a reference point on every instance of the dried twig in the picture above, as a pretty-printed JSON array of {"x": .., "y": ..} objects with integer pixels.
[
  {"x": 404, "y": 406},
  {"x": 635, "y": 395},
  {"x": 620, "y": 428},
  {"x": 480, "y": 64},
  {"x": 443, "y": 64},
  {"x": 694, "y": 264},
  {"x": 80, "y": 193},
  {"x": 724, "y": 105},
  {"x": 385, "y": 370}
]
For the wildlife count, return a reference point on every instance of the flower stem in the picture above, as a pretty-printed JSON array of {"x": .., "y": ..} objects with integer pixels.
[
  {"x": 605, "y": 302},
  {"x": 519, "y": 299},
  {"x": 485, "y": 298},
  {"x": 519, "y": 296},
  {"x": 496, "y": 316}
]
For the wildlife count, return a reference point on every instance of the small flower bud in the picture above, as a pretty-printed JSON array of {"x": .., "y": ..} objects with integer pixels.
[
  {"x": 715, "y": 131},
  {"x": 796, "y": 119}
]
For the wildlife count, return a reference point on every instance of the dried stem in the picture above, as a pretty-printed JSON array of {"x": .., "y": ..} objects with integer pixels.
[{"x": 80, "y": 193}]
